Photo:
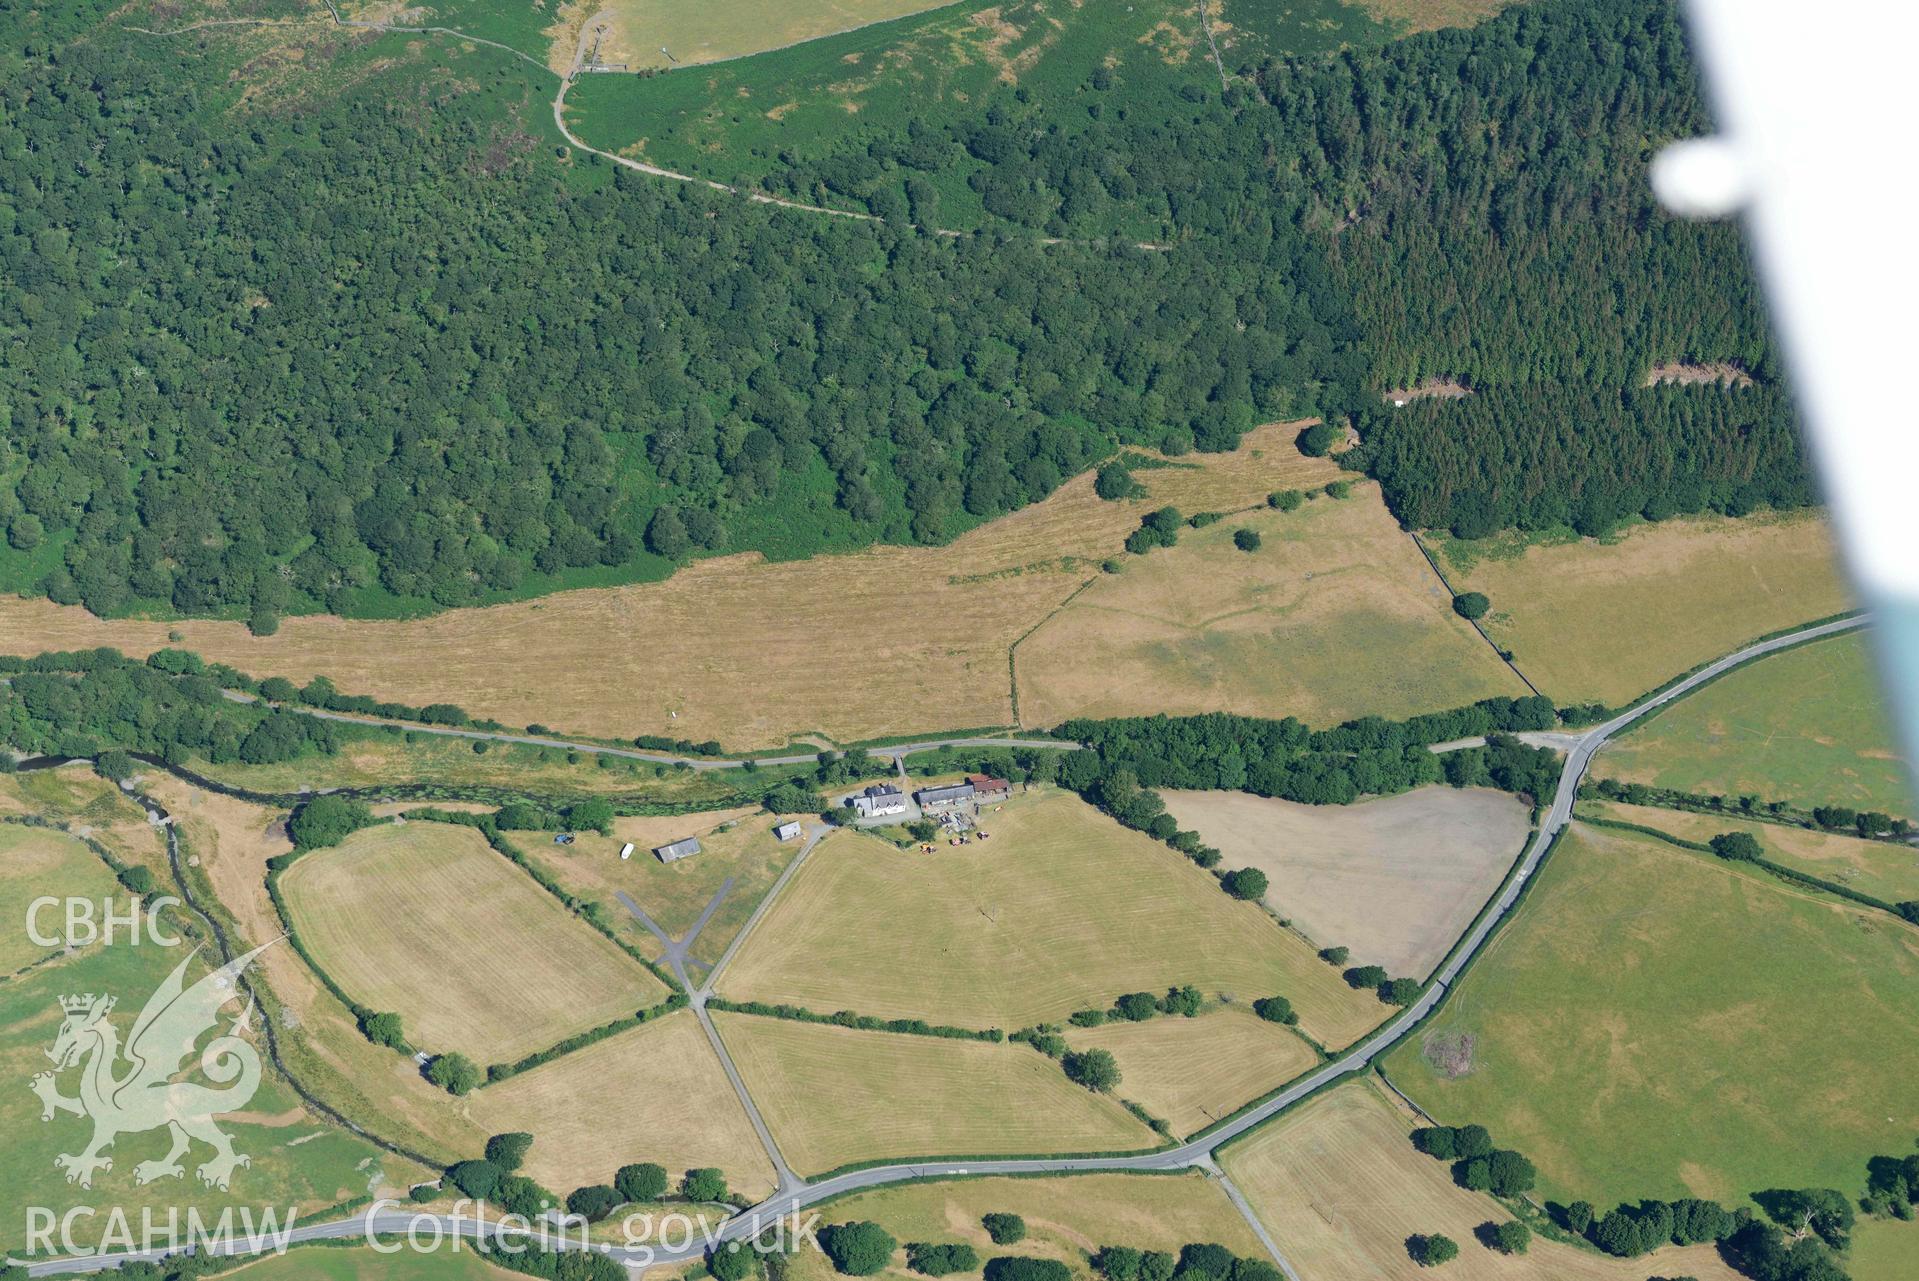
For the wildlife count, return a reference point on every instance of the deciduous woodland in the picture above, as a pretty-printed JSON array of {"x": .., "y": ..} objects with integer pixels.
[{"x": 378, "y": 351}]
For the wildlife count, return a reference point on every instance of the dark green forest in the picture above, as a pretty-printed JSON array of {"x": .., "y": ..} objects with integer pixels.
[{"x": 389, "y": 348}]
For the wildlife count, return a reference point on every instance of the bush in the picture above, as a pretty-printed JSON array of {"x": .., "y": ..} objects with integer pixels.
[
  {"x": 1399, "y": 991},
  {"x": 1003, "y": 1228},
  {"x": 1097, "y": 1070},
  {"x": 1247, "y": 540},
  {"x": 455, "y": 1073},
  {"x": 1275, "y": 1009},
  {"x": 1018, "y": 1268},
  {"x": 1137, "y": 1006},
  {"x": 1739, "y": 846},
  {"x": 1339, "y": 489},
  {"x": 732, "y": 1262},
  {"x": 1471, "y": 605},
  {"x": 1245, "y": 883},
  {"x": 1087, "y": 1018},
  {"x": 932, "y": 1260},
  {"x": 137, "y": 879},
  {"x": 1366, "y": 976},
  {"x": 703, "y": 1184},
  {"x": 1114, "y": 482},
  {"x": 1431, "y": 1251},
  {"x": 858, "y": 1249},
  {"x": 327, "y": 820},
  {"x": 1117, "y": 1262},
  {"x": 421, "y": 1193},
  {"x": 1285, "y": 500},
  {"x": 593, "y": 1202},
  {"x": 508, "y": 1151},
  {"x": 1512, "y": 1237},
  {"x": 477, "y": 1179},
  {"x": 641, "y": 1182},
  {"x": 1184, "y": 1001},
  {"x": 383, "y": 1029},
  {"x": 1318, "y": 440},
  {"x": 1334, "y": 955}
]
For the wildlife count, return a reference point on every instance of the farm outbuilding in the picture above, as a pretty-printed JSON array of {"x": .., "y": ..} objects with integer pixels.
[
  {"x": 934, "y": 798},
  {"x": 787, "y": 831},
  {"x": 678, "y": 850},
  {"x": 987, "y": 789}
]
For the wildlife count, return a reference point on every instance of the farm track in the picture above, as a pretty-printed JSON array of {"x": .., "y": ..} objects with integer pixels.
[{"x": 1197, "y": 1153}]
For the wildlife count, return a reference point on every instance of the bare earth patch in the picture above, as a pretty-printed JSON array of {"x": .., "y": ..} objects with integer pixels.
[
  {"x": 1397, "y": 879},
  {"x": 1685, "y": 374}
]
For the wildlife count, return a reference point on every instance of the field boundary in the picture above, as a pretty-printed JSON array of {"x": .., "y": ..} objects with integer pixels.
[
  {"x": 1440, "y": 574},
  {"x": 1779, "y": 870},
  {"x": 1012, "y": 650},
  {"x": 856, "y": 1022}
]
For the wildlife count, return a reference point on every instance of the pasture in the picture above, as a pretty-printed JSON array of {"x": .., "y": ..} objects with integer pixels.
[
  {"x": 425, "y": 920},
  {"x": 227, "y": 843},
  {"x": 834, "y": 1095},
  {"x": 1430, "y": 15},
  {"x": 34, "y": 863},
  {"x": 1336, "y": 615},
  {"x": 1191, "y": 1072},
  {"x": 1396, "y": 879},
  {"x": 1807, "y": 726},
  {"x": 640, "y": 35},
  {"x": 90, "y": 806},
  {"x": 1340, "y": 1187},
  {"x": 1653, "y": 1022},
  {"x": 738, "y": 853},
  {"x": 1885, "y": 871},
  {"x": 701, "y": 655},
  {"x": 1608, "y": 620},
  {"x": 653, "y": 1093},
  {"x": 363, "y": 1263},
  {"x": 296, "y": 1160},
  {"x": 1060, "y": 910},
  {"x": 1067, "y": 1218},
  {"x": 1882, "y": 1250}
]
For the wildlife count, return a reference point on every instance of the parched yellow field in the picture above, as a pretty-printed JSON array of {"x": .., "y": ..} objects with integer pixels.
[
  {"x": 738, "y": 851},
  {"x": 1192, "y": 1072},
  {"x": 1608, "y": 621},
  {"x": 424, "y": 919},
  {"x": 36, "y": 863},
  {"x": 744, "y": 651},
  {"x": 1397, "y": 879},
  {"x": 1336, "y": 615},
  {"x": 90, "y": 806},
  {"x": 1889, "y": 872},
  {"x": 1340, "y": 1186},
  {"x": 1430, "y": 15},
  {"x": 1060, "y": 910},
  {"x": 655, "y": 1093},
  {"x": 1067, "y": 1218},
  {"x": 713, "y": 30},
  {"x": 833, "y": 1096}
]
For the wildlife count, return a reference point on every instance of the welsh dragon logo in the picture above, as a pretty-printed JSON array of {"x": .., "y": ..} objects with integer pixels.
[{"x": 145, "y": 1096}]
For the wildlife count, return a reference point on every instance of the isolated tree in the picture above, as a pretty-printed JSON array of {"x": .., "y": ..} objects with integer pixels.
[
  {"x": 939, "y": 1260},
  {"x": 1510, "y": 1237},
  {"x": 383, "y": 1029},
  {"x": 327, "y": 820},
  {"x": 858, "y": 1249},
  {"x": 643, "y": 1181},
  {"x": 1097, "y": 1070},
  {"x": 1244, "y": 883},
  {"x": 1471, "y": 605},
  {"x": 703, "y": 1184},
  {"x": 508, "y": 1151},
  {"x": 1431, "y": 1251},
  {"x": 1247, "y": 540},
  {"x": 1275, "y": 1009},
  {"x": 1285, "y": 500},
  {"x": 1004, "y": 1228},
  {"x": 1741, "y": 846},
  {"x": 455, "y": 1073},
  {"x": 1334, "y": 955},
  {"x": 1318, "y": 440},
  {"x": 593, "y": 1202}
]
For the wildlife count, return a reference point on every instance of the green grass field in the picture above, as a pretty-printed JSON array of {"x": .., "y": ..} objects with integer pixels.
[
  {"x": 296, "y": 1161},
  {"x": 1808, "y": 726},
  {"x": 1658, "y": 1023},
  {"x": 363, "y": 1263},
  {"x": 35, "y": 863},
  {"x": 1882, "y": 869}
]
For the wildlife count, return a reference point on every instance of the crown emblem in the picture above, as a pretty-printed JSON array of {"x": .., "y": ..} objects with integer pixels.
[{"x": 78, "y": 1004}]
